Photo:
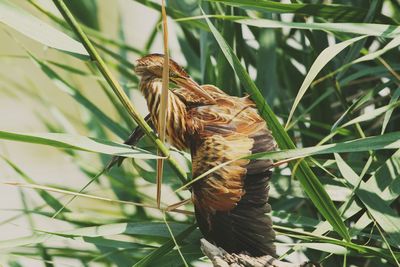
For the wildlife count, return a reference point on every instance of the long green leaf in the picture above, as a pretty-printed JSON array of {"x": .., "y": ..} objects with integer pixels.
[
  {"x": 174, "y": 13},
  {"x": 139, "y": 229},
  {"x": 388, "y": 114},
  {"x": 47, "y": 197},
  {"x": 143, "y": 229},
  {"x": 92, "y": 32},
  {"x": 370, "y": 29},
  {"x": 335, "y": 12},
  {"x": 373, "y": 114},
  {"x": 384, "y": 180},
  {"x": 322, "y": 59},
  {"x": 78, "y": 142},
  {"x": 310, "y": 182},
  {"x": 39, "y": 31},
  {"x": 381, "y": 142},
  {"x": 386, "y": 141},
  {"x": 392, "y": 44},
  {"x": 361, "y": 249},
  {"x": 165, "y": 248},
  {"x": 80, "y": 98},
  {"x": 381, "y": 30},
  {"x": 355, "y": 50},
  {"x": 382, "y": 213}
]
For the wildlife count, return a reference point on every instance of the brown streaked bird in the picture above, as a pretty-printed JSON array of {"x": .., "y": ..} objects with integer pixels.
[{"x": 230, "y": 203}]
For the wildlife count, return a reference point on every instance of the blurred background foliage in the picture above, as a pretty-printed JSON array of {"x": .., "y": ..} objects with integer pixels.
[{"x": 280, "y": 45}]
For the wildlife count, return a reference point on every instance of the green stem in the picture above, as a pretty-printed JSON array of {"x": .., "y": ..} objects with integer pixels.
[
  {"x": 361, "y": 249},
  {"x": 91, "y": 32},
  {"x": 116, "y": 87}
]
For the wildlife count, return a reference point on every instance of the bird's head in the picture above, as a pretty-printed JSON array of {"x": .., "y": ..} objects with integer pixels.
[{"x": 152, "y": 66}]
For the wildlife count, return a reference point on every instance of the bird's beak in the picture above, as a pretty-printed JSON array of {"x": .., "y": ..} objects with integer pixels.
[{"x": 190, "y": 84}]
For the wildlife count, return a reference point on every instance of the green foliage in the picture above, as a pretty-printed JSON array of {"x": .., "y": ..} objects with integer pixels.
[{"x": 329, "y": 73}]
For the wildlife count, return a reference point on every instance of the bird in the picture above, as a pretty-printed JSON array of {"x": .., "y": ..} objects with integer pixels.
[{"x": 230, "y": 203}]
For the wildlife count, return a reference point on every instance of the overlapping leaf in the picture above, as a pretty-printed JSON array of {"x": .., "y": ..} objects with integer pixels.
[
  {"x": 67, "y": 141},
  {"x": 38, "y": 30}
]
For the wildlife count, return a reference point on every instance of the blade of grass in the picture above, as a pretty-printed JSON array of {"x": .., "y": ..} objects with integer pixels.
[
  {"x": 335, "y": 12},
  {"x": 322, "y": 59},
  {"x": 137, "y": 229},
  {"x": 267, "y": 79},
  {"x": 373, "y": 114},
  {"x": 309, "y": 181},
  {"x": 381, "y": 30},
  {"x": 165, "y": 248},
  {"x": 92, "y": 32},
  {"x": 388, "y": 114},
  {"x": 364, "y": 73},
  {"x": 40, "y": 249},
  {"x": 370, "y": 29},
  {"x": 357, "y": 104},
  {"x": 355, "y": 50},
  {"x": 225, "y": 73},
  {"x": 361, "y": 249},
  {"x": 173, "y": 13},
  {"x": 86, "y": 12},
  {"x": 48, "y": 198},
  {"x": 78, "y": 142},
  {"x": 175, "y": 242},
  {"x": 391, "y": 45},
  {"x": 80, "y": 194},
  {"x": 79, "y": 97},
  {"x": 92, "y": 179},
  {"x": 381, "y": 142},
  {"x": 72, "y": 69},
  {"x": 382, "y": 213},
  {"x": 164, "y": 101},
  {"x": 39, "y": 31},
  {"x": 113, "y": 99},
  {"x": 384, "y": 180},
  {"x": 325, "y": 95},
  {"x": 371, "y": 56},
  {"x": 57, "y": 190}
]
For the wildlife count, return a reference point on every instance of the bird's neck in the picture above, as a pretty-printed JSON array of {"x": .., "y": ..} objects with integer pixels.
[{"x": 176, "y": 125}]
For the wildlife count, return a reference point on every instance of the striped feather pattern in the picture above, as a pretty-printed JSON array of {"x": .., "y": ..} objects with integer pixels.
[
  {"x": 230, "y": 203},
  {"x": 176, "y": 128}
]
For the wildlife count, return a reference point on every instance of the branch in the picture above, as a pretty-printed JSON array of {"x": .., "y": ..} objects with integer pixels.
[{"x": 220, "y": 258}]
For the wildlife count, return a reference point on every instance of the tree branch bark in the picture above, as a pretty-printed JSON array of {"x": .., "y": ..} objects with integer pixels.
[{"x": 220, "y": 258}]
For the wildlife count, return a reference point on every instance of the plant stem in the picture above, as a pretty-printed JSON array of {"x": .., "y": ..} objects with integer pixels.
[{"x": 116, "y": 87}]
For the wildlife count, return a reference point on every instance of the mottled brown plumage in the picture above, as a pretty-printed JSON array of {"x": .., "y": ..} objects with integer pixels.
[{"x": 231, "y": 202}]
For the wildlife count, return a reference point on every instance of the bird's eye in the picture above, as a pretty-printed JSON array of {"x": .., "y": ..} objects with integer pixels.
[{"x": 173, "y": 74}]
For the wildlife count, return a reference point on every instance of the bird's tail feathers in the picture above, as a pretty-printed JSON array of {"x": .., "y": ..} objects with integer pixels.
[{"x": 246, "y": 228}]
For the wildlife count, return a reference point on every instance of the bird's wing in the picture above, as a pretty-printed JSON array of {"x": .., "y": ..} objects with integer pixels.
[
  {"x": 224, "y": 133},
  {"x": 192, "y": 99},
  {"x": 231, "y": 202},
  {"x": 222, "y": 189}
]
